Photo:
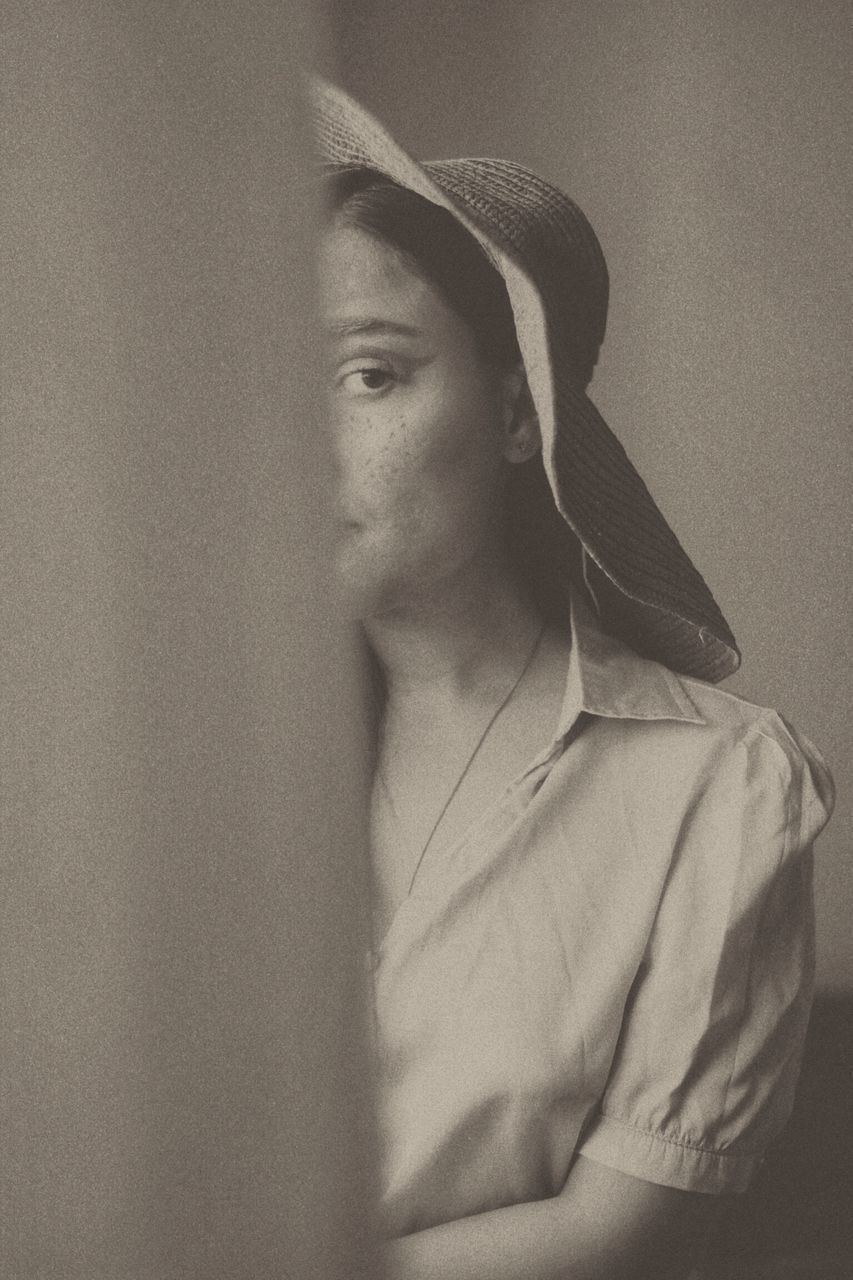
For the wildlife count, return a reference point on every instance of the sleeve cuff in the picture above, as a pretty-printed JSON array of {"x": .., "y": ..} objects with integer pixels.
[{"x": 667, "y": 1161}]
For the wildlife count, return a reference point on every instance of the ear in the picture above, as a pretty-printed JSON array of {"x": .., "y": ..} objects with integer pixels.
[{"x": 521, "y": 435}]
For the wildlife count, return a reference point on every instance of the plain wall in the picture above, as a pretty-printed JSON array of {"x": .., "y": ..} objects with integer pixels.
[
  {"x": 709, "y": 144},
  {"x": 182, "y": 1083}
]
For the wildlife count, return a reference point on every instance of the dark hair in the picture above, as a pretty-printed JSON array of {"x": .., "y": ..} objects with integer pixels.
[
  {"x": 544, "y": 548},
  {"x": 439, "y": 248}
]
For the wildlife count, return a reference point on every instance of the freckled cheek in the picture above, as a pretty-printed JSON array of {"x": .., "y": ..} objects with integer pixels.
[
  {"x": 407, "y": 465},
  {"x": 380, "y": 465}
]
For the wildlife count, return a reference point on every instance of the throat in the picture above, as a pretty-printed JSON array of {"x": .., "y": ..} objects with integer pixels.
[
  {"x": 457, "y": 649},
  {"x": 445, "y": 762}
]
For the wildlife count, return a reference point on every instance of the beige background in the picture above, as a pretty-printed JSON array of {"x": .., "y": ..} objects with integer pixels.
[
  {"x": 181, "y": 807},
  {"x": 709, "y": 143}
]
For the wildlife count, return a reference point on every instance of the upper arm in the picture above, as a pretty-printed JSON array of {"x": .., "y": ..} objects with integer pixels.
[
  {"x": 708, "y": 1054},
  {"x": 703, "y": 1074},
  {"x": 625, "y": 1228}
]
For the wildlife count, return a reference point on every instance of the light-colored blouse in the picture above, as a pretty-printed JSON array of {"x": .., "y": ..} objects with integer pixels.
[{"x": 616, "y": 959}]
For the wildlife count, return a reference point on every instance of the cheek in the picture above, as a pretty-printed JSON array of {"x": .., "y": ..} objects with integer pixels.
[
  {"x": 428, "y": 470},
  {"x": 379, "y": 462},
  {"x": 419, "y": 494}
]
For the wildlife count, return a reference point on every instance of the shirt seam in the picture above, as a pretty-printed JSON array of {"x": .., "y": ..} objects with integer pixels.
[
  {"x": 787, "y": 844},
  {"x": 741, "y": 1154}
]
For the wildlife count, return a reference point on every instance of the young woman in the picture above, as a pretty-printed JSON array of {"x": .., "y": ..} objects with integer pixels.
[{"x": 592, "y": 949}]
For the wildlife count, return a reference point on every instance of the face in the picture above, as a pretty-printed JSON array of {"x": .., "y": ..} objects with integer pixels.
[{"x": 420, "y": 426}]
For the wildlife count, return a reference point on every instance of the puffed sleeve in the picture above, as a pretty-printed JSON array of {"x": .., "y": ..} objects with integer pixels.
[{"x": 709, "y": 1050}]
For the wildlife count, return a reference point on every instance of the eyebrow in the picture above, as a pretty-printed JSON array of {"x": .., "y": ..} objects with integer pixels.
[{"x": 359, "y": 325}]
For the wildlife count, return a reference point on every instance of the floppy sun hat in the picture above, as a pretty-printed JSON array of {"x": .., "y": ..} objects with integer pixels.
[{"x": 644, "y": 584}]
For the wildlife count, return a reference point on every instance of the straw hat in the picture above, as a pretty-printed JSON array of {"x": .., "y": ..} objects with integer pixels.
[{"x": 645, "y": 586}]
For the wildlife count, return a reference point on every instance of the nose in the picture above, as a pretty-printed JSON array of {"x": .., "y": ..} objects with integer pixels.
[{"x": 343, "y": 477}]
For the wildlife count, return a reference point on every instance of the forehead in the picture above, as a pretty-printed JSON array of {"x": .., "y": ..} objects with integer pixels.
[{"x": 362, "y": 278}]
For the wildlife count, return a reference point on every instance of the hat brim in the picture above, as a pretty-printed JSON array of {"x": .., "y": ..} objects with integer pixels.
[{"x": 647, "y": 588}]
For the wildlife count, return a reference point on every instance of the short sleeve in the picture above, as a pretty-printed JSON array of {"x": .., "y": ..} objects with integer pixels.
[{"x": 708, "y": 1055}]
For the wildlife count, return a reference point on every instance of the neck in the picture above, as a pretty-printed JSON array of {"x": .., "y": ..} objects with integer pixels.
[{"x": 460, "y": 645}]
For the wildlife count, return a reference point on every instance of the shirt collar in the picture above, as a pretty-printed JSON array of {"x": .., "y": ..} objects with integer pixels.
[{"x": 606, "y": 678}]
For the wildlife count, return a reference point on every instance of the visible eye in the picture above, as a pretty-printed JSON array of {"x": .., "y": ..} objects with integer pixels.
[{"x": 366, "y": 379}]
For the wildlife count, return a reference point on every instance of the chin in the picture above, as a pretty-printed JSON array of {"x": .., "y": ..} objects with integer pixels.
[{"x": 369, "y": 583}]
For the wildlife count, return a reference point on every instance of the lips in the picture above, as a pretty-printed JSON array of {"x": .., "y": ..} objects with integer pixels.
[
  {"x": 349, "y": 523},
  {"x": 350, "y": 513}
]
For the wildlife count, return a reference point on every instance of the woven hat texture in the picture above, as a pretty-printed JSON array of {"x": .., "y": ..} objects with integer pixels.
[{"x": 646, "y": 587}]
